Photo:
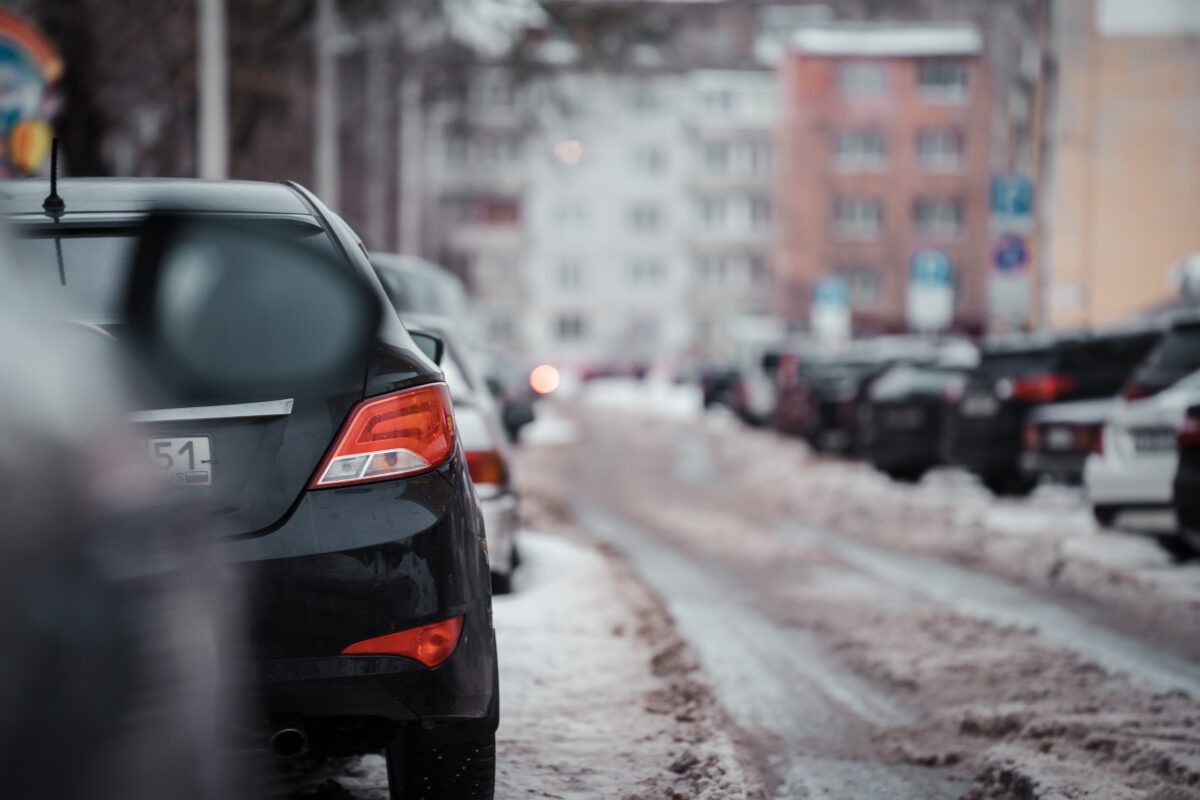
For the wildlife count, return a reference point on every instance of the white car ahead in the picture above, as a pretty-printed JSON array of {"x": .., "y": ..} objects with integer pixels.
[{"x": 1130, "y": 472}]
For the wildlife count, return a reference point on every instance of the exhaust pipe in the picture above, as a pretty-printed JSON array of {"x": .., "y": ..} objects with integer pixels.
[{"x": 289, "y": 742}]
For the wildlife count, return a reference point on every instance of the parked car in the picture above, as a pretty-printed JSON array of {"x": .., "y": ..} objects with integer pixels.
[
  {"x": 986, "y": 427},
  {"x": 1129, "y": 477},
  {"x": 355, "y": 527},
  {"x": 417, "y": 286},
  {"x": 1186, "y": 486},
  {"x": 904, "y": 420},
  {"x": 1058, "y": 436},
  {"x": 484, "y": 444}
]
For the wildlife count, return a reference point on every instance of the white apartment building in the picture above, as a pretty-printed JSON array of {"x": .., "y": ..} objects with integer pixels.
[{"x": 610, "y": 218}]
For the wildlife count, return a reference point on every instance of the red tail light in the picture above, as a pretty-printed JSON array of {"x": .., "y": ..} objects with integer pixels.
[
  {"x": 388, "y": 437},
  {"x": 1189, "y": 433},
  {"x": 1042, "y": 388},
  {"x": 1136, "y": 391},
  {"x": 1029, "y": 437},
  {"x": 487, "y": 467},
  {"x": 430, "y": 644}
]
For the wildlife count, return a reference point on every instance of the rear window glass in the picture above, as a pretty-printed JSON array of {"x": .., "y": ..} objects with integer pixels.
[
  {"x": 85, "y": 274},
  {"x": 1107, "y": 354},
  {"x": 904, "y": 380},
  {"x": 1179, "y": 352},
  {"x": 410, "y": 291},
  {"x": 1023, "y": 362}
]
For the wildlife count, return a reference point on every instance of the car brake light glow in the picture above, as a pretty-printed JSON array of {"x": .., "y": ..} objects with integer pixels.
[
  {"x": 404, "y": 433},
  {"x": 429, "y": 644},
  {"x": 1136, "y": 391},
  {"x": 487, "y": 467},
  {"x": 1043, "y": 387},
  {"x": 1189, "y": 433}
]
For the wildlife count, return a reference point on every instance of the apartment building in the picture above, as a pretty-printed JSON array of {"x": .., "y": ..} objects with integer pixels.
[{"x": 883, "y": 154}]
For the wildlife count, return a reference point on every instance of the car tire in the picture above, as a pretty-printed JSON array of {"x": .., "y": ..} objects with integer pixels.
[
  {"x": 1105, "y": 516},
  {"x": 458, "y": 770},
  {"x": 1010, "y": 484},
  {"x": 907, "y": 474},
  {"x": 501, "y": 583},
  {"x": 1178, "y": 547}
]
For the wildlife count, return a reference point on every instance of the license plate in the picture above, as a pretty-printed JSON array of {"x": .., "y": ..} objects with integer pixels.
[
  {"x": 1059, "y": 439},
  {"x": 1154, "y": 440},
  {"x": 903, "y": 418},
  {"x": 182, "y": 461},
  {"x": 980, "y": 405}
]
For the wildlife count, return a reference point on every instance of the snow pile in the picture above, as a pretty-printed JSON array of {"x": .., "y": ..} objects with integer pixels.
[
  {"x": 549, "y": 427},
  {"x": 653, "y": 396}
]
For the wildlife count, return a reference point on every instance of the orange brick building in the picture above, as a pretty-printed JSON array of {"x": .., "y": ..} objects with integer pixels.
[{"x": 883, "y": 149}]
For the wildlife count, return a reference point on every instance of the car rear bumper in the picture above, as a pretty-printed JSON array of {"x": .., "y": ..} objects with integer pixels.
[
  {"x": 1067, "y": 467},
  {"x": 1112, "y": 480},
  {"x": 500, "y": 521},
  {"x": 357, "y": 563}
]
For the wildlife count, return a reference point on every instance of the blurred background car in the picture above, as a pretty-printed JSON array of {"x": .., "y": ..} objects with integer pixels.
[
  {"x": 417, "y": 286},
  {"x": 352, "y": 519},
  {"x": 904, "y": 425},
  {"x": 1131, "y": 473},
  {"x": 1058, "y": 436},
  {"x": 1018, "y": 374},
  {"x": 484, "y": 444},
  {"x": 1186, "y": 486}
]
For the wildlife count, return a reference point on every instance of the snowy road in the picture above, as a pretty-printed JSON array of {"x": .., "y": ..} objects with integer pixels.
[{"x": 871, "y": 640}]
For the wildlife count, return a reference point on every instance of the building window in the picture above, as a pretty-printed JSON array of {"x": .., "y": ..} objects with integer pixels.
[
  {"x": 714, "y": 157},
  {"x": 570, "y": 273},
  {"x": 650, "y": 159},
  {"x": 942, "y": 79},
  {"x": 713, "y": 270},
  {"x": 941, "y": 216},
  {"x": 859, "y": 217},
  {"x": 862, "y": 285},
  {"x": 647, "y": 271},
  {"x": 712, "y": 210},
  {"x": 501, "y": 328},
  {"x": 861, "y": 149},
  {"x": 861, "y": 79},
  {"x": 760, "y": 157},
  {"x": 643, "y": 100},
  {"x": 940, "y": 148},
  {"x": 570, "y": 214},
  {"x": 456, "y": 150},
  {"x": 570, "y": 327},
  {"x": 760, "y": 213},
  {"x": 722, "y": 100},
  {"x": 645, "y": 217},
  {"x": 471, "y": 210}
]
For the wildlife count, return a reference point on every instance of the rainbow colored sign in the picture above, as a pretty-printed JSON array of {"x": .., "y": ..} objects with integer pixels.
[{"x": 30, "y": 68}]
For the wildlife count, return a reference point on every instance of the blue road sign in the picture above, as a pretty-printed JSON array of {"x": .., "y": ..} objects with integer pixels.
[
  {"x": 1011, "y": 196},
  {"x": 930, "y": 267},
  {"x": 1010, "y": 253}
]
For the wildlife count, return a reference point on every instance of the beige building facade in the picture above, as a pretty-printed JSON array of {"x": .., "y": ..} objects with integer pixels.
[{"x": 1123, "y": 187}]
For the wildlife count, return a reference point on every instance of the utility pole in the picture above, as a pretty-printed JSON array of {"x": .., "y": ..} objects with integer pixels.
[
  {"x": 212, "y": 129},
  {"x": 375, "y": 181},
  {"x": 411, "y": 128},
  {"x": 326, "y": 169}
]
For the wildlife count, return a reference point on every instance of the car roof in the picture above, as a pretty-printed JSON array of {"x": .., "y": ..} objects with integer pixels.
[{"x": 23, "y": 197}]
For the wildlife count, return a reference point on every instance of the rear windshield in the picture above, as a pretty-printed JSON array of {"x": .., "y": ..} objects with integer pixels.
[
  {"x": 1107, "y": 354},
  {"x": 1009, "y": 364},
  {"x": 1179, "y": 352},
  {"x": 85, "y": 269},
  {"x": 410, "y": 291},
  {"x": 85, "y": 272}
]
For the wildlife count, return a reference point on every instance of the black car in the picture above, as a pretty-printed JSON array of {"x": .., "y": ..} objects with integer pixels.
[
  {"x": 353, "y": 521},
  {"x": 903, "y": 424},
  {"x": 986, "y": 428},
  {"x": 1186, "y": 488}
]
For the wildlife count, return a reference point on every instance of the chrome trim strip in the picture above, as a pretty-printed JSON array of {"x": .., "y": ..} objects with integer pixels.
[{"x": 267, "y": 408}]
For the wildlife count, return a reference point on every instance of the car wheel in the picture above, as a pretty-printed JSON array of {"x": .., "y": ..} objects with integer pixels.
[
  {"x": 460, "y": 770},
  {"x": 907, "y": 474},
  {"x": 501, "y": 583},
  {"x": 1010, "y": 484},
  {"x": 1105, "y": 515},
  {"x": 1177, "y": 547}
]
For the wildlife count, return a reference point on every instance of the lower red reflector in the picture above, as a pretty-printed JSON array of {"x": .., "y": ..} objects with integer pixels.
[{"x": 430, "y": 644}]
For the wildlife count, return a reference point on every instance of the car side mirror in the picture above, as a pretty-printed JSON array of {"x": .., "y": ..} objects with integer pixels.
[
  {"x": 227, "y": 308},
  {"x": 432, "y": 346}
]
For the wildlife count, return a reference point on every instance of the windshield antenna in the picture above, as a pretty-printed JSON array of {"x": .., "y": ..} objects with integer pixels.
[{"x": 53, "y": 204}]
